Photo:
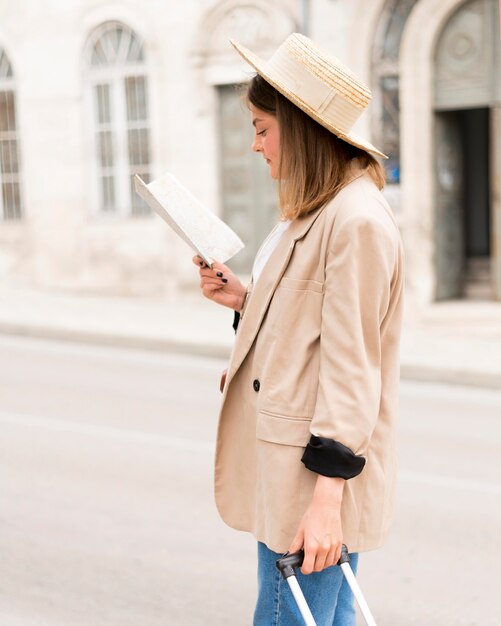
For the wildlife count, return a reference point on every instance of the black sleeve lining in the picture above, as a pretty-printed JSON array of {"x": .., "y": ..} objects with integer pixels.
[
  {"x": 331, "y": 458},
  {"x": 236, "y": 320}
]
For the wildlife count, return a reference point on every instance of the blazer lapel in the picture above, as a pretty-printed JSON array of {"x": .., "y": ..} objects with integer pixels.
[{"x": 264, "y": 289}]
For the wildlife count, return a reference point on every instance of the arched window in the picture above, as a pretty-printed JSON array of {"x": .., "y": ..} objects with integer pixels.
[
  {"x": 117, "y": 77},
  {"x": 10, "y": 178},
  {"x": 386, "y": 82}
]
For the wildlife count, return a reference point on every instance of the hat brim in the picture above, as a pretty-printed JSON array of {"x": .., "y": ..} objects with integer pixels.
[{"x": 260, "y": 66}]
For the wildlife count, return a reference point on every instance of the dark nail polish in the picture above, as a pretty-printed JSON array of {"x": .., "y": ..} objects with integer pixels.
[
  {"x": 201, "y": 263},
  {"x": 225, "y": 280},
  {"x": 220, "y": 274}
]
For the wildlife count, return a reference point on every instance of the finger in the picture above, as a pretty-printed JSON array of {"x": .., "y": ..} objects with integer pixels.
[
  {"x": 331, "y": 557},
  {"x": 197, "y": 260},
  {"x": 334, "y": 554},
  {"x": 212, "y": 281},
  {"x": 212, "y": 273},
  {"x": 221, "y": 267},
  {"x": 321, "y": 557},
  {"x": 309, "y": 560},
  {"x": 211, "y": 288}
]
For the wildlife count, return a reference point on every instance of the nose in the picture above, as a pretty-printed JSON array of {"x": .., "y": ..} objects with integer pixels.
[{"x": 256, "y": 144}]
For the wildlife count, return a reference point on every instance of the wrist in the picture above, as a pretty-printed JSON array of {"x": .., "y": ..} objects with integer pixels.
[
  {"x": 241, "y": 300},
  {"x": 329, "y": 489}
]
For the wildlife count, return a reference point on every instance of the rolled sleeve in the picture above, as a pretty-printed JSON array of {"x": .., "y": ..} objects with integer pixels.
[
  {"x": 331, "y": 458},
  {"x": 359, "y": 269}
]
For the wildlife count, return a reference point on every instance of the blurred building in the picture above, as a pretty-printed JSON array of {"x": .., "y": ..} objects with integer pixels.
[{"x": 92, "y": 92}]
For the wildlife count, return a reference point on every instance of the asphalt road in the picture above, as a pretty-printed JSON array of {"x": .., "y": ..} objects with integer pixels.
[{"x": 106, "y": 510}]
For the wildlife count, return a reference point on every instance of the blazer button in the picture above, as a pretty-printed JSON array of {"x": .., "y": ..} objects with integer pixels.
[{"x": 256, "y": 384}]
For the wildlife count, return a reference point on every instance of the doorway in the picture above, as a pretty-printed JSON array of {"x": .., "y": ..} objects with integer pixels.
[
  {"x": 474, "y": 125},
  {"x": 464, "y": 215}
]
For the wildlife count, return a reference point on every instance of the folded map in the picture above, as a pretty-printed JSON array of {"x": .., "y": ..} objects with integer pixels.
[{"x": 209, "y": 236}]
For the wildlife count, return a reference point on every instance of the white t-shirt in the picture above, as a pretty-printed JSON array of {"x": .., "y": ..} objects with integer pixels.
[{"x": 266, "y": 250}]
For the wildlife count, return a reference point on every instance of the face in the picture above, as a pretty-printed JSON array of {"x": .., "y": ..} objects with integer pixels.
[{"x": 266, "y": 138}]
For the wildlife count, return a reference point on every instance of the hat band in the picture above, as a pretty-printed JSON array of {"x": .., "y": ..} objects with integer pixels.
[{"x": 312, "y": 90}]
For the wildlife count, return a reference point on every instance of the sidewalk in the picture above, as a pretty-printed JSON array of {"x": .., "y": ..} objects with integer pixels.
[{"x": 457, "y": 342}]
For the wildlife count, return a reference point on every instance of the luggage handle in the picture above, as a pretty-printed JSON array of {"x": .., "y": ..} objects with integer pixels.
[{"x": 289, "y": 562}]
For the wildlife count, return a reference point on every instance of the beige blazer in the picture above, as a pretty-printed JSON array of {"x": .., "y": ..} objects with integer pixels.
[{"x": 316, "y": 352}]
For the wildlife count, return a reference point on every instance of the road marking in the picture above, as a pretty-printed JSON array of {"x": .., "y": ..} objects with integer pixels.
[
  {"x": 194, "y": 445},
  {"x": 106, "y": 432},
  {"x": 435, "y": 480}
]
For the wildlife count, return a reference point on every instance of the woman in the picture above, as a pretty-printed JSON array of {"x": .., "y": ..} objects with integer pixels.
[{"x": 306, "y": 440}]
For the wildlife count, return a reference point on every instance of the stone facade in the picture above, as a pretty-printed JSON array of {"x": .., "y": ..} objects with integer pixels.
[{"x": 64, "y": 241}]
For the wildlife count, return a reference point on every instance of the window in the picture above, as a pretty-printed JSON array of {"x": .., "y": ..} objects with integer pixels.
[
  {"x": 10, "y": 177},
  {"x": 115, "y": 62},
  {"x": 386, "y": 79}
]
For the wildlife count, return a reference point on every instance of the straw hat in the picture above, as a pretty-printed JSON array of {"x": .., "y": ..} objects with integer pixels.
[{"x": 318, "y": 84}]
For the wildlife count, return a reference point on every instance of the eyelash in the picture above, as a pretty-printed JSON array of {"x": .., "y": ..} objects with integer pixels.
[{"x": 262, "y": 132}]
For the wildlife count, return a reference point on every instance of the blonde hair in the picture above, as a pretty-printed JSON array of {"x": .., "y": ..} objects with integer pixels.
[{"x": 314, "y": 163}]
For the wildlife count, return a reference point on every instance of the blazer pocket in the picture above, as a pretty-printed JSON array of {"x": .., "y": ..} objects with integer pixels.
[
  {"x": 300, "y": 284},
  {"x": 289, "y": 431}
]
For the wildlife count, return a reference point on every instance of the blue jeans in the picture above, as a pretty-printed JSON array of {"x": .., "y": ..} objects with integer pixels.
[{"x": 327, "y": 594}]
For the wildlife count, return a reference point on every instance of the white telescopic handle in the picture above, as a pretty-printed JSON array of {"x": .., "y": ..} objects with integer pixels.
[
  {"x": 300, "y": 601},
  {"x": 352, "y": 581}
]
